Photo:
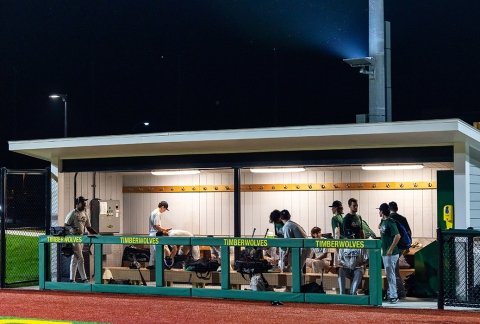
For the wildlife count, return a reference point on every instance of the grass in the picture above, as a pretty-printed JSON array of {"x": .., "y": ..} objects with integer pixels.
[{"x": 21, "y": 258}]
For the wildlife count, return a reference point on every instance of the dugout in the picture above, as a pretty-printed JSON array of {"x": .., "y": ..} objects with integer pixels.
[{"x": 227, "y": 199}]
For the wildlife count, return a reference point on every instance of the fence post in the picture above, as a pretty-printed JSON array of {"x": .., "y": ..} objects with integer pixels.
[
  {"x": 42, "y": 265},
  {"x": 225, "y": 264},
  {"x": 470, "y": 268},
  {"x": 441, "y": 264},
  {"x": 375, "y": 275},
  {"x": 98, "y": 252},
  {"x": 3, "y": 193},
  {"x": 296, "y": 269},
  {"x": 159, "y": 278}
]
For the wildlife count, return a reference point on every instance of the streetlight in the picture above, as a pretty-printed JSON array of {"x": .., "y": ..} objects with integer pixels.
[
  {"x": 64, "y": 99},
  {"x": 144, "y": 125}
]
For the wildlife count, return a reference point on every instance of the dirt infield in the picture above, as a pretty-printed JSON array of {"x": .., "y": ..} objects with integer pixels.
[{"x": 116, "y": 308}]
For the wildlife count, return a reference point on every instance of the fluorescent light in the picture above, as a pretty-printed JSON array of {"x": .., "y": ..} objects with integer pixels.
[
  {"x": 175, "y": 172},
  {"x": 392, "y": 167},
  {"x": 277, "y": 170},
  {"x": 54, "y": 96}
]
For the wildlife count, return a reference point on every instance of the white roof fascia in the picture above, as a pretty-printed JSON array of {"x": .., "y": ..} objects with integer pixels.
[{"x": 324, "y": 137}]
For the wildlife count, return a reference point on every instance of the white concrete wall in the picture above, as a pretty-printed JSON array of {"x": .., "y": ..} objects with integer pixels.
[
  {"x": 474, "y": 193},
  {"x": 212, "y": 213},
  {"x": 108, "y": 186}
]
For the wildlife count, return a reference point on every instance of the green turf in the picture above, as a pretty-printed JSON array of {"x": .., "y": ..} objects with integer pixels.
[{"x": 21, "y": 258}]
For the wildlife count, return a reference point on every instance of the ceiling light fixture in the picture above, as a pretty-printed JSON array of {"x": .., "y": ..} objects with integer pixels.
[
  {"x": 174, "y": 172},
  {"x": 392, "y": 167},
  {"x": 277, "y": 170}
]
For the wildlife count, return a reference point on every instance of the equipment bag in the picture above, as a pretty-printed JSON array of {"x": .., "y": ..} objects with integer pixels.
[
  {"x": 405, "y": 239},
  {"x": 141, "y": 255},
  {"x": 313, "y": 287},
  {"x": 251, "y": 261},
  {"x": 60, "y": 230},
  {"x": 203, "y": 268}
]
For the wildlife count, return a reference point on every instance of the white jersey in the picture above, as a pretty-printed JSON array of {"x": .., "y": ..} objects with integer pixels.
[
  {"x": 155, "y": 219},
  {"x": 352, "y": 258},
  {"x": 317, "y": 252},
  {"x": 79, "y": 221}
]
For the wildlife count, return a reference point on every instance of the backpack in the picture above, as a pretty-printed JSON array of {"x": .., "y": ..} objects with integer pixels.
[
  {"x": 251, "y": 261},
  {"x": 405, "y": 239},
  {"x": 203, "y": 268}
]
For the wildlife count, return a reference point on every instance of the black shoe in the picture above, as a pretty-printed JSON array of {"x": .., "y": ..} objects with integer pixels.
[
  {"x": 277, "y": 303},
  {"x": 393, "y": 300},
  {"x": 151, "y": 267},
  {"x": 86, "y": 281}
]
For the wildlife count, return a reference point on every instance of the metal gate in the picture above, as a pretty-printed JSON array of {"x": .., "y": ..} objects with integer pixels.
[
  {"x": 24, "y": 215},
  {"x": 459, "y": 268}
]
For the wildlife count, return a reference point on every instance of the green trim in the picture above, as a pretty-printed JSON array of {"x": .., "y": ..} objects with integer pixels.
[
  {"x": 69, "y": 286},
  {"x": 98, "y": 253},
  {"x": 42, "y": 273},
  {"x": 337, "y": 299},
  {"x": 142, "y": 290},
  {"x": 295, "y": 246}
]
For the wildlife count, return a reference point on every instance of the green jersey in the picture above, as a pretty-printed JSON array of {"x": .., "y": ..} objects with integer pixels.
[
  {"x": 388, "y": 230},
  {"x": 337, "y": 221}
]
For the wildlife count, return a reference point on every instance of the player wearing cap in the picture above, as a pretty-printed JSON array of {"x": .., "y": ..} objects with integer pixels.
[
  {"x": 337, "y": 219},
  {"x": 155, "y": 225},
  {"x": 79, "y": 221},
  {"x": 390, "y": 237},
  {"x": 402, "y": 294}
]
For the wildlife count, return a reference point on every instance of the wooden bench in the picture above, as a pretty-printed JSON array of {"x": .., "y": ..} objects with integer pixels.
[
  {"x": 190, "y": 277},
  {"x": 125, "y": 273},
  {"x": 214, "y": 278},
  {"x": 276, "y": 279}
]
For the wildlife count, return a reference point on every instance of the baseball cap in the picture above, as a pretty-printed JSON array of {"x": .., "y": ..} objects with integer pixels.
[
  {"x": 80, "y": 199},
  {"x": 384, "y": 208},
  {"x": 163, "y": 203},
  {"x": 336, "y": 203}
]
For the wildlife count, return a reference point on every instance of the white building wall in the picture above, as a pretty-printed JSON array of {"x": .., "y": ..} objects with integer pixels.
[
  {"x": 474, "y": 193},
  {"x": 212, "y": 213},
  {"x": 108, "y": 187}
]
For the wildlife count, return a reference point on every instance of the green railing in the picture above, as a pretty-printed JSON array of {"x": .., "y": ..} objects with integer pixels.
[{"x": 375, "y": 277}]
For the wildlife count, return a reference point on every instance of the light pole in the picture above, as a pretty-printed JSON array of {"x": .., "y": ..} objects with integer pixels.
[
  {"x": 64, "y": 99},
  {"x": 377, "y": 65},
  {"x": 144, "y": 124}
]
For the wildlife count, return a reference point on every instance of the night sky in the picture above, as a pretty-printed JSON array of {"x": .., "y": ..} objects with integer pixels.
[{"x": 217, "y": 64}]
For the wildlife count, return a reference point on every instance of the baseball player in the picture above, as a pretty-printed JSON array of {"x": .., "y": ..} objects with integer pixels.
[{"x": 79, "y": 221}]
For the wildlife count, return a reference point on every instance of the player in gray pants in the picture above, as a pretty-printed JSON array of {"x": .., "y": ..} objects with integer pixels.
[{"x": 352, "y": 265}]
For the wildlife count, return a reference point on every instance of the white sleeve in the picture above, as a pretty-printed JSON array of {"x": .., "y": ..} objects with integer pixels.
[
  {"x": 69, "y": 218},
  {"x": 157, "y": 219}
]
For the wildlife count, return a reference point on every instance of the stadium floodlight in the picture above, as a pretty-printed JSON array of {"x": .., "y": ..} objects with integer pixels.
[{"x": 366, "y": 64}]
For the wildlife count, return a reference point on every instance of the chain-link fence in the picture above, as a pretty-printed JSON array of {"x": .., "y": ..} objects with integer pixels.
[
  {"x": 25, "y": 214},
  {"x": 459, "y": 269}
]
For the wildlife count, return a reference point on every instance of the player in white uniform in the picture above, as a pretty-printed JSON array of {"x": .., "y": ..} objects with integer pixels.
[
  {"x": 79, "y": 221},
  {"x": 155, "y": 225}
]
